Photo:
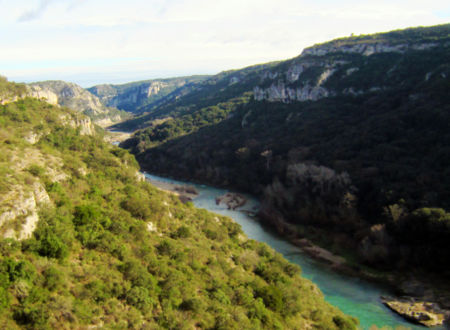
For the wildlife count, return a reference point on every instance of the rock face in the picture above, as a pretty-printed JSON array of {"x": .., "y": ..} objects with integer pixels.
[
  {"x": 75, "y": 97},
  {"x": 365, "y": 49},
  {"x": 279, "y": 92},
  {"x": 306, "y": 77},
  {"x": 83, "y": 123},
  {"x": 132, "y": 96},
  {"x": 23, "y": 205}
]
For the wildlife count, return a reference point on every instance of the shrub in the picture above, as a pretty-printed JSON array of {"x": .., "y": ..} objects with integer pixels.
[
  {"x": 272, "y": 297},
  {"x": 182, "y": 232},
  {"x": 140, "y": 298},
  {"x": 85, "y": 214},
  {"x": 53, "y": 278},
  {"x": 50, "y": 245},
  {"x": 343, "y": 323},
  {"x": 36, "y": 170}
]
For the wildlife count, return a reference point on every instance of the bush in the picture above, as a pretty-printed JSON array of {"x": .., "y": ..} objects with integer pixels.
[
  {"x": 4, "y": 298},
  {"x": 85, "y": 214},
  {"x": 138, "y": 206},
  {"x": 137, "y": 274},
  {"x": 53, "y": 278},
  {"x": 140, "y": 298},
  {"x": 36, "y": 170},
  {"x": 343, "y": 323},
  {"x": 50, "y": 245},
  {"x": 182, "y": 232},
  {"x": 17, "y": 269},
  {"x": 272, "y": 297}
]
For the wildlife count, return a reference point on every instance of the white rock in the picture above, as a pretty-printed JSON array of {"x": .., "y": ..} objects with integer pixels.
[{"x": 151, "y": 227}]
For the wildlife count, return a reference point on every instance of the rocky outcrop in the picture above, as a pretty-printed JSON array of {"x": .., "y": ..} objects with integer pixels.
[
  {"x": 421, "y": 312},
  {"x": 74, "y": 97},
  {"x": 66, "y": 94},
  {"x": 41, "y": 92},
  {"x": 365, "y": 49},
  {"x": 294, "y": 71},
  {"x": 83, "y": 123},
  {"x": 305, "y": 77},
  {"x": 132, "y": 96},
  {"x": 8, "y": 99},
  {"x": 296, "y": 83},
  {"x": 22, "y": 205},
  {"x": 33, "y": 137},
  {"x": 280, "y": 92},
  {"x": 231, "y": 200},
  {"x": 137, "y": 94}
]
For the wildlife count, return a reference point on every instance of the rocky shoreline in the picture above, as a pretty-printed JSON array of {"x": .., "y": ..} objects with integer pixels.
[
  {"x": 421, "y": 312},
  {"x": 415, "y": 300},
  {"x": 231, "y": 200}
]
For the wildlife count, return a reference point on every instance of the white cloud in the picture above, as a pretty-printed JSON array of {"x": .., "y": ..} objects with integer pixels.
[
  {"x": 34, "y": 13},
  {"x": 185, "y": 35}
]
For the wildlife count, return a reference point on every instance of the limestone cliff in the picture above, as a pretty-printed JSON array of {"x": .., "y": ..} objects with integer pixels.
[
  {"x": 75, "y": 97},
  {"x": 365, "y": 49},
  {"x": 342, "y": 66},
  {"x": 136, "y": 96},
  {"x": 19, "y": 210}
]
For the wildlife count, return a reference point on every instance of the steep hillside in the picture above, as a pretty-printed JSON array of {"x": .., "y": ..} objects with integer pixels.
[
  {"x": 347, "y": 142},
  {"x": 77, "y": 98},
  {"x": 86, "y": 243},
  {"x": 220, "y": 91},
  {"x": 143, "y": 96},
  {"x": 349, "y": 66}
]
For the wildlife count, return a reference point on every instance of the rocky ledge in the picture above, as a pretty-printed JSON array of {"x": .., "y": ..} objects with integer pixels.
[{"x": 421, "y": 312}]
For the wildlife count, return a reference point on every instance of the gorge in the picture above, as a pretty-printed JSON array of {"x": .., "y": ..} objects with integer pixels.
[{"x": 343, "y": 150}]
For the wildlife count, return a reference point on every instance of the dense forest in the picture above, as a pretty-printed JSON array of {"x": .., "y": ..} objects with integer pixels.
[
  {"x": 362, "y": 166},
  {"x": 109, "y": 250}
]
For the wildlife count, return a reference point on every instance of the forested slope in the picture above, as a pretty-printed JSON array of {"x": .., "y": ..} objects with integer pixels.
[
  {"x": 87, "y": 243},
  {"x": 349, "y": 142}
]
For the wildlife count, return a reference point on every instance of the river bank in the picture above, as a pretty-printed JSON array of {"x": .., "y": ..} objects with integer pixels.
[
  {"x": 413, "y": 298},
  {"x": 352, "y": 294}
]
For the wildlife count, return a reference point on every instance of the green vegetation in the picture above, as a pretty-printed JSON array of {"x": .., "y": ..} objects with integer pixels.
[
  {"x": 367, "y": 166},
  {"x": 112, "y": 251},
  {"x": 186, "y": 124},
  {"x": 9, "y": 90},
  {"x": 221, "y": 90},
  {"x": 404, "y": 36}
]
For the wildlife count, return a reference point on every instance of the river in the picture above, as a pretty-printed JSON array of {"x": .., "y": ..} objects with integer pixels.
[{"x": 353, "y": 296}]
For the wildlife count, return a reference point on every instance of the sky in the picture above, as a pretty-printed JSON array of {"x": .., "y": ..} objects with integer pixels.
[{"x": 115, "y": 41}]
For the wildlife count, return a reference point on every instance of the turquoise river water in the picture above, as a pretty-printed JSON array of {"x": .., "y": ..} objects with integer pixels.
[{"x": 353, "y": 296}]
